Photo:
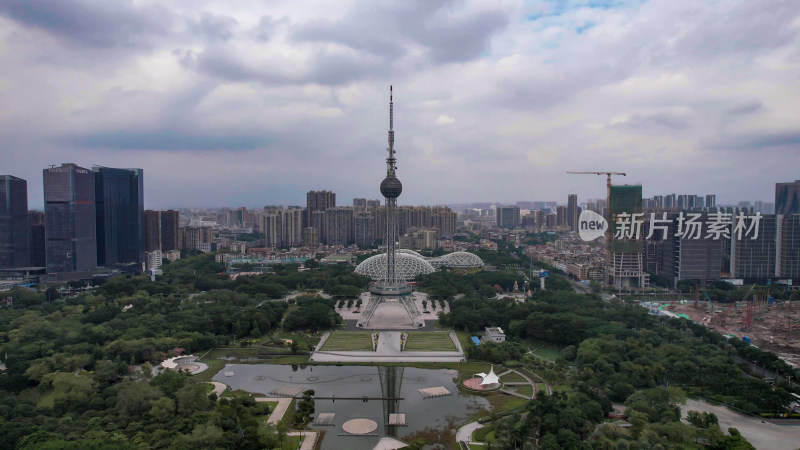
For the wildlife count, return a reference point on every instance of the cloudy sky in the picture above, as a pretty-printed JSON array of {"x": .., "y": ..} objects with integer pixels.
[{"x": 256, "y": 102}]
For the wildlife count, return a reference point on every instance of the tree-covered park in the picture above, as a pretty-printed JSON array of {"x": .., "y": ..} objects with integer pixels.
[{"x": 77, "y": 366}]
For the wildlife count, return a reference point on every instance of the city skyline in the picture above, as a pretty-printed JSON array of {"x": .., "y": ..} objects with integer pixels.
[{"x": 671, "y": 93}]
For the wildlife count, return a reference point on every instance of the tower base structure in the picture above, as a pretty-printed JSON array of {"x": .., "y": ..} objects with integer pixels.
[
  {"x": 391, "y": 312},
  {"x": 383, "y": 288}
]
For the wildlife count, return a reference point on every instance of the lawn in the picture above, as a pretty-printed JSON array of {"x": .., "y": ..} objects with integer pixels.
[
  {"x": 291, "y": 442},
  {"x": 232, "y": 353},
  {"x": 302, "y": 339},
  {"x": 465, "y": 340},
  {"x": 526, "y": 390},
  {"x": 512, "y": 377},
  {"x": 544, "y": 350},
  {"x": 429, "y": 341},
  {"x": 349, "y": 341}
]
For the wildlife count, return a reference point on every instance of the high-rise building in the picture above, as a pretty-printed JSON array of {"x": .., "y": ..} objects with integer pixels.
[
  {"x": 699, "y": 202},
  {"x": 359, "y": 203},
  {"x": 691, "y": 201},
  {"x": 319, "y": 222},
  {"x": 561, "y": 215},
  {"x": 339, "y": 226},
  {"x": 572, "y": 211},
  {"x": 788, "y": 251},
  {"x": 292, "y": 227},
  {"x": 550, "y": 220},
  {"x": 754, "y": 259},
  {"x": 658, "y": 201},
  {"x": 194, "y": 238},
  {"x": 70, "y": 219},
  {"x": 711, "y": 201},
  {"x": 670, "y": 201},
  {"x": 152, "y": 230},
  {"x": 373, "y": 203},
  {"x": 270, "y": 225},
  {"x": 282, "y": 228},
  {"x": 787, "y": 198},
  {"x": 119, "y": 199},
  {"x": 318, "y": 201},
  {"x": 37, "y": 241},
  {"x": 14, "y": 233},
  {"x": 310, "y": 236},
  {"x": 508, "y": 217},
  {"x": 364, "y": 229},
  {"x": 687, "y": 259},
  {"x": 170, "y": 226},
  {"x": 625, "y": 254}
]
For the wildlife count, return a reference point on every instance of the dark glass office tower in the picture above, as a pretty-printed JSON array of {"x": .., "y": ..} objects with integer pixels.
[
  {"x": 70, "y": 215},
  {"x": 14, "y": 245},
  {"x": 152, "y": 230},
  {"x": 37, "y": 242},
  {"x": 787, "y": 198},
  {"x": 119, "y": 198},
  {"x": 754, "y": 259},
  {"x": 170, "y": 236}
]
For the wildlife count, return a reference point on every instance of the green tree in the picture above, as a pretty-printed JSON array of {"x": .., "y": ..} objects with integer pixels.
[
  {"x": 163, "y": 409},
  {"x": 192, "y": 398}
]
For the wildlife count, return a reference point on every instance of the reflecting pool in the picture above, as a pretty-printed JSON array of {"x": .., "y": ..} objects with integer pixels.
[{"x": 359, "y": 381}]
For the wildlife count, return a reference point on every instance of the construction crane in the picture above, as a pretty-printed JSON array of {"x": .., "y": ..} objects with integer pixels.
[
  {"x": 608, "y": 181},
  {"x": 608, "y": 207}
]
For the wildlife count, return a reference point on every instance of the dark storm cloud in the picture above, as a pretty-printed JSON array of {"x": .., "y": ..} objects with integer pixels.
[
  {"x": 170, "y": 140},
  {"x": 92, "y": 23}
]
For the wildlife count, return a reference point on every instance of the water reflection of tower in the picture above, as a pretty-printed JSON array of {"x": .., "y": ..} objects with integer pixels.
[{"x": 391, "y": 382}]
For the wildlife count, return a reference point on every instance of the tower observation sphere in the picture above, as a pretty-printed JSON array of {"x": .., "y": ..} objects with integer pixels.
[{"x": 391, "y": 187}]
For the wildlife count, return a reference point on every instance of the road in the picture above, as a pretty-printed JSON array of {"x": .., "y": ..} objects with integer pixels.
[{"x": 763, "y": 435}]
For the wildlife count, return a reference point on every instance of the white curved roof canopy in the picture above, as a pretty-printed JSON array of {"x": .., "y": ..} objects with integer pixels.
[
  {"x": 457, "y": 259},
  {"x": 489, "y": 378},
  {"x": 407, "y": 266}
]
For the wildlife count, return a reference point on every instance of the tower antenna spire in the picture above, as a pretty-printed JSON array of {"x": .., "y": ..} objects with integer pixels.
[{"x": 391, "y": 161}]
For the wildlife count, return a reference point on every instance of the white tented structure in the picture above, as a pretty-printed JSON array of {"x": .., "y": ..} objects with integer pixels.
[
  {"x": 407, "y": 266},
  {"x": 489, "y": 378}
]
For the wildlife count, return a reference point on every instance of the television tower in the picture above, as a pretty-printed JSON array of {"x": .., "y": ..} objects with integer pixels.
[
  {"x": 391, "y": 287},
  {"x": 391, "y": 188}
]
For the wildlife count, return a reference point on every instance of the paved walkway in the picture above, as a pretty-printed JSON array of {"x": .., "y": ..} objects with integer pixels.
[
  {"x": 309, "y": 438},
  {"x": 464, "y": 434},
  {"x": 280, "y": 408},
  {"x": 219, "y": 388}
]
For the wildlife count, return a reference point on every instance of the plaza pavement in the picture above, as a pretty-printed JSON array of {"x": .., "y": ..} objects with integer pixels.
[{"x": 388, "y": 350}]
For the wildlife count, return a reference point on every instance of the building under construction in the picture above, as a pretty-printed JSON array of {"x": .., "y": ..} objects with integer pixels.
[{"x": 625, "y": 265}]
